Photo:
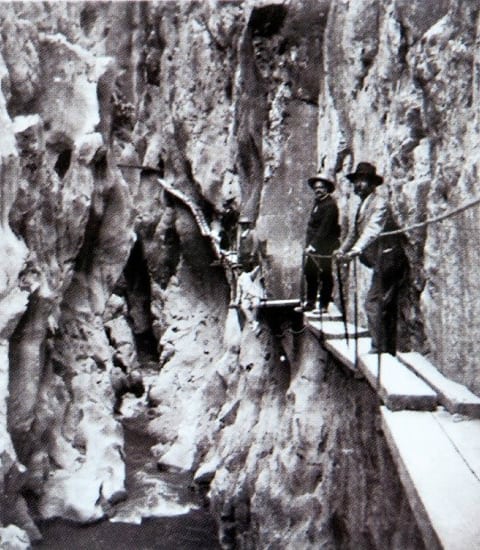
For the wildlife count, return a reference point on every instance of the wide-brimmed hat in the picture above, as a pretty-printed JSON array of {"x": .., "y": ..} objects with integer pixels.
[
  {"x": 365, "y": 170},
  {"x": 325, "y": 179}
]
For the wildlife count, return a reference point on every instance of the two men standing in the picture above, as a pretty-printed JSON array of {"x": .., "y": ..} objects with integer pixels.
[{"x": 384, "y": 254}]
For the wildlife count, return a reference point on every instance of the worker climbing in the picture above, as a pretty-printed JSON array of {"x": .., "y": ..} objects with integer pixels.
[
  {"x": 383, "y": 253},
  {"x": 323, "y": 232}
]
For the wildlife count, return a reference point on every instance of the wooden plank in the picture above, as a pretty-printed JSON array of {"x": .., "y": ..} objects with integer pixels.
[
  {"x": 455, "y": 397},
  {"x": 464, "y": 434},
  {"x": 443, "y": 492},
  {"x": 332, "y": 314},
  {"x": 333, "y": 311},
  {"x": 399, "y": 387},
  {"x": 345, "y": 353},
  {"x": 334, "y": 329}
]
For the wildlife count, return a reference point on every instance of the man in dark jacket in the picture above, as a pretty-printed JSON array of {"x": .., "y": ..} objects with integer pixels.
[
  {"x": 384, "y": 255},
  {"x": 323, "y": 232}
]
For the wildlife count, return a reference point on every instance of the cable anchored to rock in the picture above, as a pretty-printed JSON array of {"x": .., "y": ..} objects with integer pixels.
[
  {"x": 429, "y": 221},
  {"x": 408, "y": 228}
]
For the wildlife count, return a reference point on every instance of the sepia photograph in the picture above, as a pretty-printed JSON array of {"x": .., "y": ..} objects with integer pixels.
[{"x": 240, "y": 275}]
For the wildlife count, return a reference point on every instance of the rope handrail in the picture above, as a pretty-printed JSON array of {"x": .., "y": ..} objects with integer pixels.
[
  {"x": 429, "y": 221},
  {"x": 426, "y": 222},
  {"x": 399, "y": 231},
  {"x": 206, "y": 231}
]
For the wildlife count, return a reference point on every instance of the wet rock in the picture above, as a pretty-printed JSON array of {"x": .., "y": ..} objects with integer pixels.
[
  {"x": 122, "y": 340},
  {"x": 123, "y": 383},
  {"x": 115, "y": 307},
  {"x": 206, "y": 472},
  {"x": 14, "y": 538}
]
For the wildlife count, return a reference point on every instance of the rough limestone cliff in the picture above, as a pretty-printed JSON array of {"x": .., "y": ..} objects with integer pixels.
[{"x": 235, "y": 104}]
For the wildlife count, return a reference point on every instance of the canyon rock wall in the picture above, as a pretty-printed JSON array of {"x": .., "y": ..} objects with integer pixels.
[
  {"x": 234, "y": 104},
  {"x": 400, "y": 90}
]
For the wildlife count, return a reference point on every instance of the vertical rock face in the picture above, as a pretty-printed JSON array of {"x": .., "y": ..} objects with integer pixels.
[
  {"x": 64, "y": 206},
  {"x": 407, "y": 73},
  {"x": 234, "y": 104}
]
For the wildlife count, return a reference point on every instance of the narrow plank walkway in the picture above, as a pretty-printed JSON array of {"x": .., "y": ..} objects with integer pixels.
[
  {"x": 345, "y": 352},
  {"x": 464, "y": 434},
  {"x": 399, "y": 387},
  {"x": 436, "y": 451},
  {"x": 438, "y": 461},
  {"x": 334, "y": 329},
  {"x": 332, "y": 314},
  {"x": 455, "y": 397},
  {"x": 198, "y": 215}
]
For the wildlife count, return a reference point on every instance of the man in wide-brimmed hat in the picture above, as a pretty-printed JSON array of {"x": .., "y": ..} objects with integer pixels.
[
  {"x": 323, "y": 234},
  {"x": 384, "y": 254}
]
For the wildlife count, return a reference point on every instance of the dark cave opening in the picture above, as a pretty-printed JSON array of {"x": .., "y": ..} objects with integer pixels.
[
  {"x": 161, "y": 167},
  {"x": 88, "y": 17},
  {"x": 99, "y": 164},
  {"x": 63, "y": 162},
  {"x": 86, "y": 257},
  {"x": 137, "y": 292},
  {"x": 266, "y": 21}
]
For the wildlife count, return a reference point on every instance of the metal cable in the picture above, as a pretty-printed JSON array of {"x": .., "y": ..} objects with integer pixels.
[
  {"x": 426, "y": 222},
  {"x": 205, "y": 230},
  {"x": 432, "y": 220},
  {"x": 291, "y": 331}
]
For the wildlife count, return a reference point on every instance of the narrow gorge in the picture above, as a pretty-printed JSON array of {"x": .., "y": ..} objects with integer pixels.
[{"x": 118, "y": 348}]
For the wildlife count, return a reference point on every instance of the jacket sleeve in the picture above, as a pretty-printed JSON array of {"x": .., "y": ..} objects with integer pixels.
[
  {"x": 374, "y": 225},
  {"x": 349, "y": 239},
  {"x": 351, "y": 236}
]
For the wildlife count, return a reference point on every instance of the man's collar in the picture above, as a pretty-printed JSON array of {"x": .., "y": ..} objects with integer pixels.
[
  {"x": 372, "y": 194},
  {"x": 323, "y": 198}
]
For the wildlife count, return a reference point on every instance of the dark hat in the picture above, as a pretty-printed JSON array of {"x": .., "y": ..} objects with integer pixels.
[
  {"x": 365, "y": 170},
  {"x": 325, "y": 179}
]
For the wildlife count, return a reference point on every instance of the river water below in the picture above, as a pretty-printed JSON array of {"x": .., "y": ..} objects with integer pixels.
[{"x": 162, "y": 510}]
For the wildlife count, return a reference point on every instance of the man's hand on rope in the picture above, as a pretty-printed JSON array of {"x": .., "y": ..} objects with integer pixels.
[
  {"x": 309, "y": 249},
  {"x": 345, "y": 257}
]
